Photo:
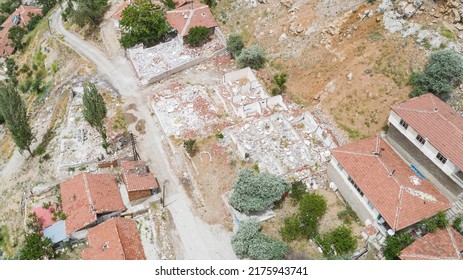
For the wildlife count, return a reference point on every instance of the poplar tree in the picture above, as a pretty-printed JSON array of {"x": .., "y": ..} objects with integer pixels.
[
  {"x": 14, "y": 111},
  {"x": 94, "y": 110}
]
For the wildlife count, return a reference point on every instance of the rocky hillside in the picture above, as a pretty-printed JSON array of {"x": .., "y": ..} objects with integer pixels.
[{"x": 352, "y": 59}]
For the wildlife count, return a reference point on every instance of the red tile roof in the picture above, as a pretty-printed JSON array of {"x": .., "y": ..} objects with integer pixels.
[
  {"x": 86, "y": 195},
  {"x": 392, "y": 187},
  {"x": 437, "y": 122},
  {"x": 191, "y": 15},
  {"x": 182, "y": 2},
  {"x": 118, "y": 14},
  {"x": 44, "y": 215},
  {"x": 444, "y": 244},
  {"x": 137, "y": 177},
  {"x": 23, "y": 11},
  {"x": 115, "y": 239}
]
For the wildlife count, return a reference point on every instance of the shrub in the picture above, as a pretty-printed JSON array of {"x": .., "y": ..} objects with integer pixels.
[
  {"x": 291, "y": 229},
  {"x": 443, "y": 71},
  {"x": 190, "y": 146},
  {"x": 2, "y": 119},
  {"x": 170, "y": 4},
  {"x": 279, "y": 80},
  {"x": 395, "y": 244},
  {"x": 197, "y": 36},
  {"x": 339, "y": 241},
  {"x": 456, "y": 224},
  {"x": 219, "y": 135},
  {"x": 254, "y": 192},
  {"x": 249, "y": 242},
  {"x": 210, "y": 3},
  {"x": 253, "y": 57},
  {"x": 235, "y": 44},
  {"x": 40, "y": 150},
  {"x": 312, "y": 207},
  {"x": 298, "y": 189}
]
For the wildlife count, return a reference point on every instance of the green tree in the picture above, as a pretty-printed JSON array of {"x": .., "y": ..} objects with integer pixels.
[
  {"x": 36, "y": 247},
  {"x": 279, "y": 80},
  {"x": 94, "y": 110},
  {"x": 14, "y": 111},
  {"x": 456, "y": 224},
  {"x": 339, "y": 241},
  {"x": 170, "y": 4},
  {"x": 256, "y": 192},
  {"x": 312, "y": 207},
  {"x": 249, "y": 242},
  {"x": 197, "y": 36},
  {"x": 142, "y": 22},
  {"x": 16, "y": 35},
  {"x": 2, "y": 119},
  {"x": 253, "y": 57},
  {"x": 9, "y": 6},
  {"x": 441, "y": 74},
  {"x": 235, "y": 44},
  {"x": 35, "y": 19},
  {"x": 298, "y": 189},
  {"x": 47, "y": 5},
  {"x": 210, "y": 3},
  {"x": 396, "y": 243},
  {"x": 89, "y": 12},
  {"x": 190, "y": 146}
]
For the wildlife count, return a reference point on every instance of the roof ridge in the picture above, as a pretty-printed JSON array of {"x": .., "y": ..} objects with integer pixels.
[
  {"x": 87, "y": 192},
  {"x": 119, "y": 237},
  {"x": 354, "y": 153},
  {"x": 452, "y": 238},
  {"x": 421, "y": 256}
]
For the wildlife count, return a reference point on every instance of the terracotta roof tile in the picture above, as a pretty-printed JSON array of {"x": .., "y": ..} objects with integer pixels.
[
  {"x": 137, "y": 177},
  {"x": 437, "y": 122},
  {"x": 23, "y": 11},
  {"x": 86, "y": 195},
  {"x": 191, "y": 15},
  {"x": 440, "y": 245},
  {"x": 402, "y": 198},
  {"x": 115, "y": 239},
  {"x": 118, "y": 14}
]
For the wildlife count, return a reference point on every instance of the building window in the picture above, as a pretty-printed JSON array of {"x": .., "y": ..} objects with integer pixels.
[
  {"x": 403, "y": 124},
  {"x": 340, "y": 166},
  {"x": 355, "y": 186},
  {"x": 370, "y": 205},
  {"x": 441, "y": 158},
  {"x": 420, "y": 139}
]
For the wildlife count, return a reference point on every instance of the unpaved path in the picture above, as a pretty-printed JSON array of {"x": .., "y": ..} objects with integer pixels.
[{"x": 198, "y": 240}]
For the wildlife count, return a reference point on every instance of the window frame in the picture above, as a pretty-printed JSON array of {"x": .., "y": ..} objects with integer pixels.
[
  {"x": 441, "y": 158},
  {"x": 420, "y": 139},
  {"x": 404, "y": 124}
]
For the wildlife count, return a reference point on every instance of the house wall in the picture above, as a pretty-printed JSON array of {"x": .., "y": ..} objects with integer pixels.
[
  {"x": 136, "y": 195},
  {"x": 429, "y": 150},
  {"x": 358, "y": 203}
]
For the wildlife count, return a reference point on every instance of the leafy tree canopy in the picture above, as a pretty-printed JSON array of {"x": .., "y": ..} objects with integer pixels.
[
  {"x": 396, "y": 243},
  {"x": 197, "y": 36},
  {"x": 256, "y": 192},
  {"x": 14, "y": 111},
  {"x": 235, "y": 44},
  {"x": 47, "y": 5},
  {"x": 142, "y": 22},
  {"x": 312, "y": 207},
  {"x": 253, "y": 57},
  {"x": 339, "y": 241},
  {"x": 16, "y": 35},
  {"x": 442, "y": 73},
  {"x": 89, "y": 12},
  {"x": 36, "y": 247},
  {"x": 249, "y": 242}
]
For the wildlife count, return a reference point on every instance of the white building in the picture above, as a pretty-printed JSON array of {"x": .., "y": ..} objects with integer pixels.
[
  {"x": 381, "y": 188},
  {"x": 429, "y": 133}
]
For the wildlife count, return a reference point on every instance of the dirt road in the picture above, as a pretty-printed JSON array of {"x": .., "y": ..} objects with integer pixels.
[{"x": 197, "y": 240}]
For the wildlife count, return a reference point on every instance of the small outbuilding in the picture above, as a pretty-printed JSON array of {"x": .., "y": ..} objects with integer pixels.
[{"x": 139, "y": 181}]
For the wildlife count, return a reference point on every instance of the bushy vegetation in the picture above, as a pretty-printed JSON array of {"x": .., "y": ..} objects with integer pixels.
[
  {"x": 142, "y": 22},
  {"x": 439, "y": 221},
  {"x": 190, "y": 146},
  {"x": 197, "y": 36},
  {"x": 9, "y": 6},
  {"x": 250, "y": 243},
  {"x": 254, "y": 192},
  {"x": 441, "y": 74},
  {"x": 298, "y": 189},
  {"x": 47, "y": 5},
  {"x": 279, "y": 81},
  {"x": 253, "y": 57},
  {"x": 396, "y": 243},
  {"x": 210, "y": 3},
  {"x": 88, "y": 12},
  {"x": 456, "y": 224},
  {"x": 170, "y": 4},
  {"x": 339, "y": 241},
  {"x": 312, "y": 207},
  {"x": 235, "y": 44},
  {"x": 305, "y": 224}
]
